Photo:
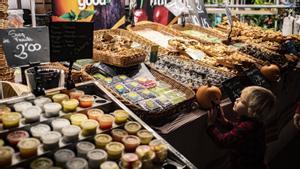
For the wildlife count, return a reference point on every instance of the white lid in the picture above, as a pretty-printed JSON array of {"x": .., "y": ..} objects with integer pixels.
[
  {"x": 19, "y": 107},
  {"x": 39, "y": 130},
  {"x": 60, "y": 123},
  {"x": 41, "y": 101},
  {"x": 77, "y": 163},
  {"x": 64, "y": 155},
  {"x": 85, "y": 146},
  {"x": 97, "y": 154},
  {"x": 32, "y": 111},
  {"x": 51, "y": 137},
  {"x": 109, "y": 165},
  {"x": 71, "y": 130},
  {"x": 52, "y": 107}
]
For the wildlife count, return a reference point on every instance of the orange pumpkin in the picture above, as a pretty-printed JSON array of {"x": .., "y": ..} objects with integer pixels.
[
  {"x": 270, "y": 72},
  {"x": 207, "y": 94}
]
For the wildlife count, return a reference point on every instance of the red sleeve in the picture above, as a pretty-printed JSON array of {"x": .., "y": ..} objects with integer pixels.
[{"x": 232, "y": 137}]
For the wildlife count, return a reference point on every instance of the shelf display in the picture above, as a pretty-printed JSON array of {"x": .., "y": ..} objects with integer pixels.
[
  {"x": 58, "y": 149},
  {"x": 143, "y": 94}
]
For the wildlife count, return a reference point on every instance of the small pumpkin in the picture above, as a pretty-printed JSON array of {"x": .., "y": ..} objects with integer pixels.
[
  {"x": 271, "y": 72},
  {"x": 207, "y": 94}
]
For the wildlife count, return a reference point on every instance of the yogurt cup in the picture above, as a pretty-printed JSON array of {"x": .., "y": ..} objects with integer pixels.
[
  {"x": 83, "y": 148},
  {"x": 38, "y": 130},
  {"x": 59, "y": 124},
  {"x": 70, "y": 133},
  {"x": 51, "y": 140},
  {"x": 32, "y": 114},
  {"x": 62, "y": 156},
  {"x": 52, "y": 109}
]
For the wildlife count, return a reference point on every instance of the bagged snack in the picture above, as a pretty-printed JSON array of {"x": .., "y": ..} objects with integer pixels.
[
  {"x": 120, "y": 88},
  {"x": 133, "y": 85},
  {"x": 150, "y": 105},
  {"x": 146, "y": 93},
  {"x": 163, "y": 101},
  {"x": 133, "y": 96}
]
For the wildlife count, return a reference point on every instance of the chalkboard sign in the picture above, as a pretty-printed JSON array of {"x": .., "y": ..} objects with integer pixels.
[
  {"x": 202, "y": 13},
  {"x": 256, "y": 78},
  {"x": 25, "y": 45},
  {"x": 233, "y": 87},
  {"x": 71, "y": 41}
]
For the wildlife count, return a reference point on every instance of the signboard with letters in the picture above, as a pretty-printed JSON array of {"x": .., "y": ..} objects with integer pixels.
[{"x": 23, "y": 46}]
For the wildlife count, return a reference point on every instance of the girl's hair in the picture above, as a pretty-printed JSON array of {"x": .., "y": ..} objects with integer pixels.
[{"x": 261, "y": 101}]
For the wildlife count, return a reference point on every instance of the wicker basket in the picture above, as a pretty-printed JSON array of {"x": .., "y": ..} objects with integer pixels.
[
  {"x": 161, "y": 116},
  {"x": 134, "y": 57},
  {"x": 77, "y": 76},
  {"x": 199, "y": 29}
]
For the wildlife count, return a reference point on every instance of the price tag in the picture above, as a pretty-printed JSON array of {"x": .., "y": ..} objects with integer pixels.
[
  {"x": 71, "y": 41},
  {"x": 195, "y": 54},
  {"x": 24, "y": 45}
]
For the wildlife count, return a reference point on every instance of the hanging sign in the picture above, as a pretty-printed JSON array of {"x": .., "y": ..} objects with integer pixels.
[
  {"x": 71, "y": 41},
  {"x": 198, "y": 13},
  {"x": 23, "y": 46},
  {"x": 104, "y": 13},
  {"x": 228, "y": 14},
  {"x": 151, "y": 10}
]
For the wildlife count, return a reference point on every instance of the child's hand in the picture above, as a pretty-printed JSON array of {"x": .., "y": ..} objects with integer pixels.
[
  {"x": 212, "y": 115},
  {"x": 297, "y": 120}
]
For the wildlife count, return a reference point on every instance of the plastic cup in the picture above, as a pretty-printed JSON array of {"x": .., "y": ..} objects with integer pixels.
[
  {"x": 96, "y": 157},
  {"x": 62, "y": 156},
  {"x": 38, "y": 130},
  {"x": 101, "y": 140},
  {"x": 75, "y": 94},
  {"x": 114, "y": 150},
  {"x": 77, "y": 163},
  {"x": 160, "y": 149},
  {"x": 145, "y": 136},
  {"x": 58, "y": 98},
  {"x": 32, "y": 114},
  {"x": 70, "y": 105},
  {"x": 59, "y": 124},
  {"x": 109, "y": 165},
  {"x": 86, "y": 101},
  {"x": 131, "y": 142},
  {"x": 83, "y": 148},
  {"x": 77, "y": 119},
  {"x": 16, "y": 136},
  {"x": 52, "y": 109},
  {"x": 41, "y": 163},
  {"x": 89, "y": 127},
  {"x": 41, "y": 101},
  {"x": 28, "y": 147},
  {"x": 106, "y": 121},
  {"x": 6, "y": 154},
  {"x": 118, "y": 134},
  {"x": 11, "y": 120},
  {"x": 51, "y": 140},
  {"x": 95, "y": 114},
  {"x": 121, "y": 116},
  {"x": 132, "y": 127},
  {"x": 19, "y": 107},
  {"x": 70, "y": 133}
]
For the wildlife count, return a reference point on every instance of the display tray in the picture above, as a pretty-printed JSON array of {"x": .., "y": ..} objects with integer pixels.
[
  {"x": 155, "y": 116},
  {"x": 203, "y": 35},
  {"x": 108, "y": 103}
]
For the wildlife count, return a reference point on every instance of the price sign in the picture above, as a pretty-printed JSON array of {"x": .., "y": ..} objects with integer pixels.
[
  {"x": 25, "y": 45},
  {"x": 71, "y": 40}
]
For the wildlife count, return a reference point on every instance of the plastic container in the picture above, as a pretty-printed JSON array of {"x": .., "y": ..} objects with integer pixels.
[
  {"x": 114, "y": 150},
  {"x": 83, "y": 148},
  {"x": 77, "y": 163},
  {"x": 132, "y": 127},
  {"x": 19, "y": 107},
  {"x": 70, "y": 133},
  {"x": 121, "y": 116},
  {"x": 77, "y": 118},
  {"x": 96, "y": 157},
  {"x": 95, "y": 114},
  {"x": 106, "y": 121},
  {"x": 109, "y": 165},
  {"x": 131, "y": 142},
  {"x": 6, "y": 154},
  {"x": 28, "y": 147},
  {"x": 38, "y": 130},
  {"x": 75, "y": 94},
  {"x": 41, "y": 101},
  {"x": 101, "y": 140},
  {"x": 41, "y": 163},
  {"x": 52, "y": 109},
  {"x": 58, "y": 98},
  {"x": 160, "y": 149},
  {"x": 70, "y": 105},
  {"x": 16, "y": 136},
  {"x": 145, "y": 136},
  {"x": 146, "y": 155},
  {"x": 118, "y": 134},
  {"x": 62, "y": 156},
  {"x": 51, "y": 140},
  {"x": 11, "y": 120},
  {"x": 130, "y": 160},
  {"x": 89, "y": 127},
  {"x": 86, "y": 101},
  {"x": 59, "y": 124},
  {"x": 32, "y": 114}
]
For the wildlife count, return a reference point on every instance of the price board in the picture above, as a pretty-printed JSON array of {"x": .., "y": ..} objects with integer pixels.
[{"x": 25, "y": 45}]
